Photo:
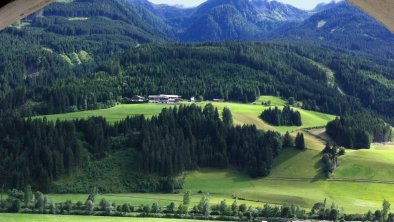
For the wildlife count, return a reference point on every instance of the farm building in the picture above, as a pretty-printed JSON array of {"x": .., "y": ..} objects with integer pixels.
[
  {"x": 166, "y": 99},
  {"x": 137, "y": 98},
  {"x": 218, "y": 100}
]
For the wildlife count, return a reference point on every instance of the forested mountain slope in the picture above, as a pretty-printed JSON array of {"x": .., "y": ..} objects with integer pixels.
[
  {"x": 76, "y": 37},
  {"x": 233, "y": 71},
  {"x": 339, "y": 25},
  {"x": 344, "y": 26},
  {"x": 68, "y": 38}
]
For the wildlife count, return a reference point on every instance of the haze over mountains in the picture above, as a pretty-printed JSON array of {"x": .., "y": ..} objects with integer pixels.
[{"x": 336, "y": 24}]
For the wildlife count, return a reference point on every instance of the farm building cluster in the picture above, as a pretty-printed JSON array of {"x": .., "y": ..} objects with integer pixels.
[
  {"x": 162, "y": 99},
  {"x": 165, "y": 99}
]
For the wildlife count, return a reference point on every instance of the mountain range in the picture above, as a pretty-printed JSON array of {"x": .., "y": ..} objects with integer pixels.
[
  {"x": 103, "y": 28},
  {"x": 338, "y": 24}
]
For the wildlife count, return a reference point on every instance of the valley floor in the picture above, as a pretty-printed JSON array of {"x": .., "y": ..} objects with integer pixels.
[
  {"x": 295, "y": 178},
  {"x": 362, "y": 181}
]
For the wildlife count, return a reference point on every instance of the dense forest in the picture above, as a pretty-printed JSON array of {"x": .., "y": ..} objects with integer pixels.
[
  {"x": 284, "y": 117},
  {"x": 187, "y": 137},
  {"x": 38, "y": 152},
  {"x": 211, "y": 70},
  {"x": 358, "y": 131}
]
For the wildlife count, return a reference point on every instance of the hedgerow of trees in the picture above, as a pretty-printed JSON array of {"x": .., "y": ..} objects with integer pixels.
[
  {"x": 34, "y": 202},
  {"x": 284, "y": 117}
]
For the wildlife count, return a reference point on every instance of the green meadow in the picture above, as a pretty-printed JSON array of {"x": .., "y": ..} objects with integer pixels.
[
  {"x": 242, "y": 113},
  {"x": 295, "y": 178},
  {"x": 360, "y": 183},
  {"x": 50, "y": 218}
]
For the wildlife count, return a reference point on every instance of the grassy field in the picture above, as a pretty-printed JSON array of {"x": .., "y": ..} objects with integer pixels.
[
  {"x": 362, "y": 181},
  {"x": 242, "y": 113},
  {"x": 275, "y": 101},
  {"x": 376, "y": 165},
  {"x": 50, "y": 218}
]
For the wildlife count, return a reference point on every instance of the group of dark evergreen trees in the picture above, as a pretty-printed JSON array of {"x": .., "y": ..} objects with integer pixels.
[
  {"x": 181, "y": 138},
  {"x": 187, "y": 137},
  {"x": 300, "y": 141},
  {"x": 359, "y": 130},
  {"x": 285, "y": 117}
]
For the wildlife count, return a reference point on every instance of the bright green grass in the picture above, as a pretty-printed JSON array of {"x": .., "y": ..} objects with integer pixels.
[
  {"x": 114, "y": 114},
  {"x": 311, "y": 142},
  {"x": 295, "y": 178},
  {"x": 249, "y": 114},
  {"x": 367, "y": 164},
  {"x": 50, "y": 218},
  {"x": 242, "y": 114},
  {"x": 275, "y": 101},
  {"x": 351, "y": 196}
]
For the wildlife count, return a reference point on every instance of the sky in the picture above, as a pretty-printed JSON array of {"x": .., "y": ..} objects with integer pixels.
[{"x": 303, "y": 4}]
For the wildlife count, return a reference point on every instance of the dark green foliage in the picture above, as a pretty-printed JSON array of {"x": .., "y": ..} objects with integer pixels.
[
  {"x": 179, "y": 139},
  {"x": 186, "y": 198},
  {"x": 300, "y": 142},
  {"x": 172, "y": 144},
  {"x": 218, "y": 71},
  {"x": 287, "y": 140},
  {"x": 36, "y": 55},
  {"x": 346, "y": 28},
  {"x": 285, "y": 117},
  {"x": 321, "y": 212},
  {"x": 14, "y": 200},
  {"x": 28, "y": 195},
  {"x": 38, "y": 152},
  {"x": 227, "y": 118},
  {"x": 358, "y": 131},
  {"x": 330, "y": 158}
]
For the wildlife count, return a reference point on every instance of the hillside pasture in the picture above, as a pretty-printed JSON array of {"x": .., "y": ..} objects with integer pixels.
[
  {"x": 361, "y": 182},
  {"x": 296, "y": 177},
  {"x": 242, "y": 114}
]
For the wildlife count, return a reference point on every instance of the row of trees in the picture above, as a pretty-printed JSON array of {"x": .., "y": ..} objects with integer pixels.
[
  {"x": 285, "y": 117},
  {"x": 27, "y": 201},
  {"x": 359, "y": 130}
]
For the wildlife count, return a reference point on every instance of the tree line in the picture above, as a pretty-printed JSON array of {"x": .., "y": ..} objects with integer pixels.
[
  {"x": 27, "y": 201},
  {"x": 358, "y": 131},
  {"x": 284, "y": 117}
]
